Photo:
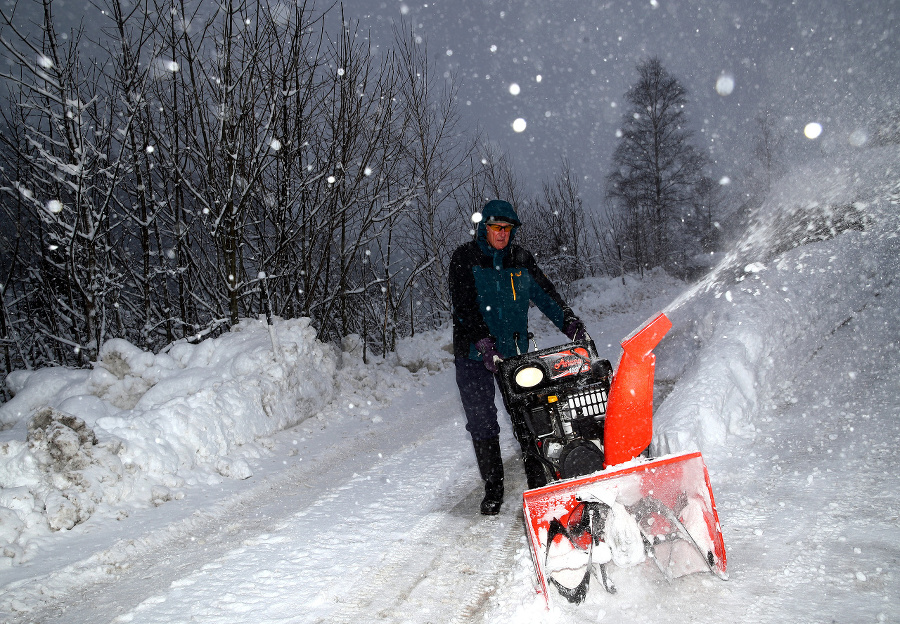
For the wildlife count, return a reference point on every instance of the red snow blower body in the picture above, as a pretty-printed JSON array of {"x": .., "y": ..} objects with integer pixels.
[{"x": 606, "y": 501}]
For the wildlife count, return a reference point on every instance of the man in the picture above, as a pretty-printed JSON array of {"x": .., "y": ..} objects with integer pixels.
[{"x": 492, "y": 282}]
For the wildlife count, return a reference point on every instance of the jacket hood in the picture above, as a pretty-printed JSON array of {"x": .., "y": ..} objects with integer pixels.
[{"x": 502, "y": 211}]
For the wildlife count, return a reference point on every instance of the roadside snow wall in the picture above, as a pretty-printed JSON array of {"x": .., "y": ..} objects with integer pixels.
[
  {"x": 138, "y": 426},
  {"x": 824, "y": 246}
]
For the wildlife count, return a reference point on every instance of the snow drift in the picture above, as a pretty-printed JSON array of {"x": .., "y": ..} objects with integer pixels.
[
  {"x": 823, "y": 246},
  {"x": 138, "y": 426}
]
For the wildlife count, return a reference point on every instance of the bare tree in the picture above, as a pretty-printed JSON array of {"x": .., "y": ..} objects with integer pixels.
[
  {"x": 68, "y": 157},
  {"x": 499, "y": 178},
  {"x": 437, "y": 157},
  {"x": 768, "y": 150},
  {"x": 557, "y": 228},
  {"x": 137, "y": 206},
  {"x": 16, "y": 222},
  {"x": 361, "y": 143},
  {"x": 286, "y": 235}
]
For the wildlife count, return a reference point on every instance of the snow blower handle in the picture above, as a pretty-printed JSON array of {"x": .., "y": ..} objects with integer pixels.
[{"x": 530, "y": 337}]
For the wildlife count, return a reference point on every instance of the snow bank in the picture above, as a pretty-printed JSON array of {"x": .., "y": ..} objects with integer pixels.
[
  {"x": 374, "y": 382},
  {"x": 825, "y": 236},
  {"x": 138, "y": 426}
]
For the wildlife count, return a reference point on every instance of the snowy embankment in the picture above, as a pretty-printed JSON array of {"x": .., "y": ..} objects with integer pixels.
[
  {"x": 824, "y": 246},
  {"x": 138, "y": 427}
]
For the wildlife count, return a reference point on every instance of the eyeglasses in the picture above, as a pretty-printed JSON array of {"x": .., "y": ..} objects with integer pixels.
[{"x": 497, "y": 227}]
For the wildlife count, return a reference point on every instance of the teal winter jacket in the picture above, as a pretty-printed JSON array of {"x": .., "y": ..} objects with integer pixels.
[{"x": 491, "y": 290}]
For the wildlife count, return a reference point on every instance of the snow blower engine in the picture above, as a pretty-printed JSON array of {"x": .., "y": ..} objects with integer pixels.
[{"x": 557, "y": 400}]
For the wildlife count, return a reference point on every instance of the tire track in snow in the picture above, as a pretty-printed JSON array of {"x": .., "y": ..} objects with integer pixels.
[
  {"x": 394, "y": 567},
  {"x": 448, "y": 564},
  {"x": 497, "y": 565}
]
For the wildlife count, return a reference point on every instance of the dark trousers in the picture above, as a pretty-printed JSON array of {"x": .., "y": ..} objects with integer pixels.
[{"x": 476, "y": 389}]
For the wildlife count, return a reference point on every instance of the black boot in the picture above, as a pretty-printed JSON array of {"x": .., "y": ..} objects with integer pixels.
[{"x": 490, "y": 464}]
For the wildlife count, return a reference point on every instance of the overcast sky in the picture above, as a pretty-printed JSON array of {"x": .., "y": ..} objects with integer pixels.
[{"x": 832, "y": 62}]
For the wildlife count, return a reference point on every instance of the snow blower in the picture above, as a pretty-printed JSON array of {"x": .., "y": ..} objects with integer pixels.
[{"x": 606, "y": 501}]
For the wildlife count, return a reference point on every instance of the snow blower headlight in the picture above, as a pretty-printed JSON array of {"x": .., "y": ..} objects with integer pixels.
[{"x": 529, "y": 376}]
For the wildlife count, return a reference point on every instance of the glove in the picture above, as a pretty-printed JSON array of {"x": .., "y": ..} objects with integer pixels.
[
  {"x": 489, "y": 353},
  {"x": 575, "y": 330}
]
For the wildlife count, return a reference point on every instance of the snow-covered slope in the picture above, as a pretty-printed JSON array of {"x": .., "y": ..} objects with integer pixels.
[
  {"x": 230, "y": 481},
  {"x": 823, "y": 248}
]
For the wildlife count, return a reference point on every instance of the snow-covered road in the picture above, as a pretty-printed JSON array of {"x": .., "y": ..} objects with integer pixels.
[
  {"x": 373, "y": 517},
  {"x": 354, "y": 517},
  {"x": 784, "y": 367}
]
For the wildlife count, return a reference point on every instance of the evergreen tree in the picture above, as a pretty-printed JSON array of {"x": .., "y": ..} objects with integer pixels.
[{"x": 656, "y": 171}]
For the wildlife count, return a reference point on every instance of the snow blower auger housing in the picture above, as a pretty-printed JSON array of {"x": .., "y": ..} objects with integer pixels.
[{"x": 605, "y": 500}]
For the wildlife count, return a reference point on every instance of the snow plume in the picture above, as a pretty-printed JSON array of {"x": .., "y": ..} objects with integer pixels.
[
  {"x": 823, "y": 235},
  {"x": 139, "y": 426}
]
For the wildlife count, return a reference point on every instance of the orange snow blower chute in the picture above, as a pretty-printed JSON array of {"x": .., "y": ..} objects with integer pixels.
[
  {"x": 629, "y": 414},
  {"x": 631, "y": 510}
]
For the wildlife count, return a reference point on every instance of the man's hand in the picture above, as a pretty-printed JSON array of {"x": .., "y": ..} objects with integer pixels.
[
  {"x": 489, "y": 353},
  {"x": 575, "y": 330}
]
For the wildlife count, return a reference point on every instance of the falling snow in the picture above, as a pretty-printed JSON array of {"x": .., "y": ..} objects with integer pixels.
[{"x": 263, "y": 476}]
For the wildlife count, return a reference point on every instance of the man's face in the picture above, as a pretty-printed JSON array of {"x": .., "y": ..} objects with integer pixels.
[{"x": 498, "y": 234}]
